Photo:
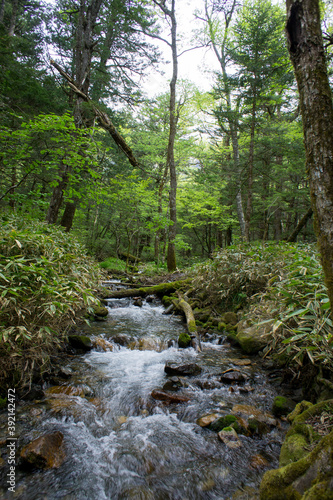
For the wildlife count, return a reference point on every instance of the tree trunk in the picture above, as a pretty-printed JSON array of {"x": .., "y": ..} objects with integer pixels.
[
  {"x": 250, "y": 170},
  {"x": 68, "y": 216},
  {"x": 293, "y": 237},
  {"x": 57, "y": 197},
  {"x": 308, "y": 57},
  {"x": 13, "y": 17},
  {"x": 171, "y": 251},
  {"x": 232, "y": 121}
]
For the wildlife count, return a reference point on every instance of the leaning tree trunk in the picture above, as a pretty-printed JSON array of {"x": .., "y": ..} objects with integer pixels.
[{"x": 308, "y": 57}]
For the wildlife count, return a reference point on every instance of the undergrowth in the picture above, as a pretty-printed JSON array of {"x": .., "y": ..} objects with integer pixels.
[
  {"x": 288, "y": 275},
  {"x": 45, "y": 279}
]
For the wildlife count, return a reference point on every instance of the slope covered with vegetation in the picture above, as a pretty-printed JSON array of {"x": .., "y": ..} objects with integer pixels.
[{"x": 45, "y": 279}]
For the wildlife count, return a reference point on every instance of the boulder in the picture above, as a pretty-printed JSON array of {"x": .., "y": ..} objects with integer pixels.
[
  {"x": 168, "y": 398},
  {"x": 184, "y": 340},
  {"x": 122, "y": 340},
  {"x": 44, "y": 452},
  {"x": 81, "y": 342},
  {"x": 306, "y": 458},
  {"x": 253, "y": 339},
  {"x": 67, "y": 390},
  {"x": 282, "y": 406},
  {"x": 184, "y": 369},
  {"x": 100, "y": 311}
]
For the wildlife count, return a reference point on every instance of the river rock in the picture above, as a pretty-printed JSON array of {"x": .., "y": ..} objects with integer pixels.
[
  {"x": 229, "y": 437},
  {"x": 253, "y": 339},
  {"x": 256, "y": 421},
  {"x": 282, "y": 406},
  {"x": 207, "y": 419},
  {"x": 44, "y": 452},
  {"x": 122, "y": 340},
  {"x": 67, "y": 390},
  {"x": 81, "y": 342},
  {"x": 173, "y": 384},
  {"x": 232, "y": 376},
  {"x": 103, "y": 344},
  {"x": 137, "y": 301},
  {"x": 258, "y": 462},
  {"x": 184, "y": 340},
  {"x": 184, "y": 369},
  {"x": 168, "y": 398},
  {"x": 100, "y": 312}
]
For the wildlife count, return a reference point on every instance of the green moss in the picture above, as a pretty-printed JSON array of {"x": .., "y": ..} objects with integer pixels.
[
  {"x": 294, "y": 447},
  {"x": 184, "y": 340},
  {"x": 282, "y": 406},
  {"x": 220, "y": 423},
  {"x": 299, "y": 408},
  {"x": 227, "y": 429}
]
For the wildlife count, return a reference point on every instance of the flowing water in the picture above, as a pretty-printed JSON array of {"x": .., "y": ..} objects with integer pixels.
[{"x": 122, "y": 444}]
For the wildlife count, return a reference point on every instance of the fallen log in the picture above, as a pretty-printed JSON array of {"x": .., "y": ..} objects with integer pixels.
[
  {"x": 190, "y": 321},
  {"x": 160, "y": 290}
]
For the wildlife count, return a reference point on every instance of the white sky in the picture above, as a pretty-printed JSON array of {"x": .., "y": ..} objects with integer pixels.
[{"x": 193, "y": 65}]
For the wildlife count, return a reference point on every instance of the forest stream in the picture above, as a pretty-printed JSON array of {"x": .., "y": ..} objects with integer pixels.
[{"x": 121, "y": 443}]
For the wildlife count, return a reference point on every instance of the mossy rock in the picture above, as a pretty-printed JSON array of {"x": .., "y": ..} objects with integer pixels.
[
  {"x": 166, "y": 300},
  {"x": 299, "y": 408},
  {"x": 222, "y": 326},
  {"x": 230, "y": 318},
  {"x": 295, "y": 481},
  {"x": 309, "y": 473},
  {"x": 220, "y": 423},
  {"x": 282, "y": 406},
  {"x": 100, "y": 311},
  {"x": 294, "y": 447},
  {"x": 254, "y": 338},
  {"x": 80, "y": 342},
  {"x": 184, "y": 340}
]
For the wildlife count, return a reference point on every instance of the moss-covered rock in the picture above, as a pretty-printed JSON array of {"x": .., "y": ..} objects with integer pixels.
[
  {"x": 100, "y": 311},
  {"x": 81, "y": 342},
  {"x": 184, "y": 340},
  {"x": 222, "y": 422},
  {"x": 230, "y": 318},
  {"x": 253, "y": 339},
  {"x": 309, "y": 473},
  {"x": 282, "y": 406}
]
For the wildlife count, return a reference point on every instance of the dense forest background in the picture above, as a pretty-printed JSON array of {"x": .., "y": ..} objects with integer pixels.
[{"x": 176, "y": 175}]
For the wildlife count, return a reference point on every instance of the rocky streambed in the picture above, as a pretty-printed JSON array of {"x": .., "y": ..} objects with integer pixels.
[{"x": 130, "y": 415}]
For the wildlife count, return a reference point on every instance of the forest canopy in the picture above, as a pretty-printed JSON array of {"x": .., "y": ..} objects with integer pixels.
[{"x": 83, "y": 146}]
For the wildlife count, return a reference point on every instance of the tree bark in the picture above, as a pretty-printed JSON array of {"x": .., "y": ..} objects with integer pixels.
[
  {"x": 293, "y": 236},
  {"x": 161, "y": 289},
  {"x": 190, "y": 322},
  {"x": 306, "y": 50}
]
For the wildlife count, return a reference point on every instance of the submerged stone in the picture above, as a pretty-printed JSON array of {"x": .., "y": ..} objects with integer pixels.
[{"x": 44, "y": 452}]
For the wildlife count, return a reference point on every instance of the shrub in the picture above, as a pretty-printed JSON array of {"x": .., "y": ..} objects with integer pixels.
[{"x": 45, "y": 279}]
